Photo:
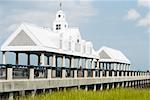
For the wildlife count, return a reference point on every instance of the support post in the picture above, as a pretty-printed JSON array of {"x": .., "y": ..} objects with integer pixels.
[
  {"x": 101, "y": 73},
  {"x": 9, "y": 72},
  {"x": 42, "y": 59},
  {"x": 122, "y": 84},
  {"x": 31, "y": 72},
  {"x": 10, "y": 96},
  {"x": 72, "y": 62},
  {"x": 93, "y": 68},
  {"x": 94, "y": 87},
  {"x": 122, "y": 73},
  {"x": 113, "y": 73},
  {"x": 107, "y": 86},
  {"x": 118, "y": 73},
  {"x": 49, "y": 73},
  {"x": 54, "y": 65},
  {"x": 28, "y": 58},
  {"x": 63, "y": 68},
  {"x": 63, "y": 73},
  {"x": 86, "y": 88},
  {"x": 48, "y": 63},
  {"x": 75, "y": 73},
  {"x": 4, "y": 57},
  {"x": 101, "y": 87},
  {"x": 33, "y": 92},
  {"x": 85, "y": 70},
  {"x": 113, "y": 85},
  {"x": 107, "y": 73},
  {"x": 17, "y": 58}
]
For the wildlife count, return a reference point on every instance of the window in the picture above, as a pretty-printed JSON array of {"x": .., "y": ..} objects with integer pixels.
[
  {"x": 58, "y": 26},
  {"x": 59, "y": 16}
]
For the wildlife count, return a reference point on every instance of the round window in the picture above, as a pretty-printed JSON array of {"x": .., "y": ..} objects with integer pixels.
[{"x": 59, "y": 16}]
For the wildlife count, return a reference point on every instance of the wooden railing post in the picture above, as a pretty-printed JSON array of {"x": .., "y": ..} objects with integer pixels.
[
  {"x": 31, "y": 72},
  {"x": 9, "y": 72},
  {"x": 49, "y": 72}
]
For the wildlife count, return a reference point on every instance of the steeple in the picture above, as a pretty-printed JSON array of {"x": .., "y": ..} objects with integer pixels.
[{"x": 60, "y": 23}]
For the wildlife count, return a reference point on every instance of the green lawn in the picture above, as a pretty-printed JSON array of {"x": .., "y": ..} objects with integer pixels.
[{"x": 114, "y": 94}]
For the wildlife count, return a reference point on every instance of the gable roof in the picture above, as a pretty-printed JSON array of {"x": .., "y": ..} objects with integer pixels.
[
  {"x": 112, "y": 55},
  {"x": 29, "y": 37}
]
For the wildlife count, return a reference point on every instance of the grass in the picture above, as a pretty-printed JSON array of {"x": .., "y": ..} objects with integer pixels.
[{"x": 114, "y": 94}]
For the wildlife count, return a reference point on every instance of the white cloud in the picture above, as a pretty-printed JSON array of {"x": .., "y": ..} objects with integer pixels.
[
  {"x": 144, "y": 21},
  {"x": 133, "y": 14},
  {"x": 145, "y": 3},
  {"x": 79, "y": 10}
]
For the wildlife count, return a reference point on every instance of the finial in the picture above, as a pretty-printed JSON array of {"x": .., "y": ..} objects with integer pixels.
[{"x": 60, "y": 4}]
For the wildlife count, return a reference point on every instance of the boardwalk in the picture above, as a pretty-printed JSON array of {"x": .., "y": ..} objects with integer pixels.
[{"x": 12, "y": 84}]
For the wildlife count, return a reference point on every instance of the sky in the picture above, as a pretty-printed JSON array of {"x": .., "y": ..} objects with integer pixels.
[{"x": 119, "y": 24}]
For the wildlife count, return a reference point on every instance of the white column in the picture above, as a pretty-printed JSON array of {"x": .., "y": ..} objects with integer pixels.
[
  {"x": 107, "y": 73},
  {"x": 113, "y": 73},
  {"x": 116, "y": 66},
  {"x": 128, "y": 66},
  {"x": 98, "y": 67},
  {"x": 42, "y": 59},
  {"x": 63, "y": 61},
  {"x": 54, "y": 60},
  {"x": 63, "y": 70},
  {"x": 80, "y": 64},
  {"x": 118, "y": 73},
  {"x": 93, "y": 67},
  {"x": 72, "y": 62},
  {"x": 121, "y": 67},
  {"x": 125, "y": 67},
  {"x": 54, "y": 65},
  {"x": 126, "y": 73},
  {"x": 4, "y": 57},
  {"x": 97, "y": 64},
  {"x": 101, "y": 73},
  {"x": 122, "y": 73},
  {"x": 112, "y": 66},
  {"x": 86, "y": 66},
  {"x": 101, "y": 65}
]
